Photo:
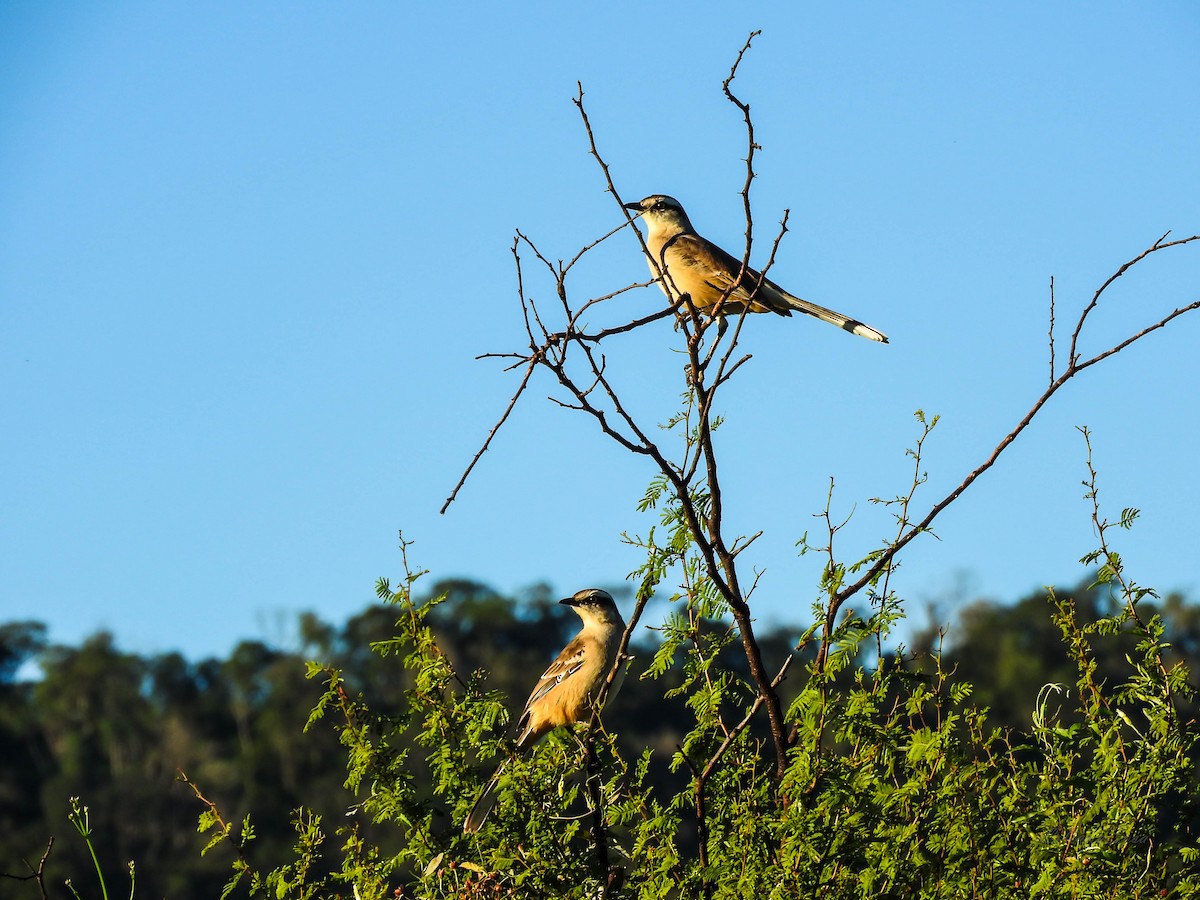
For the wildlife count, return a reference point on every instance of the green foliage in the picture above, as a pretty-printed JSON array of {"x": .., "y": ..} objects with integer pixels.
[
  {"x": 896, "y": 785},
  {"x": 901, "y": 781},
  {"x": 1048, "y": 750}
]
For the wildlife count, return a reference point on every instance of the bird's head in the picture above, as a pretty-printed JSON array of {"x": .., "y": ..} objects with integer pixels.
[
  {"x": 594, "y": 605},
  {"x": 662, "y": 213}
]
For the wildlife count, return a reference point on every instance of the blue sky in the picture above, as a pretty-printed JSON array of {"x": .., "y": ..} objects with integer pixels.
[{"x": 248, "y": 253}]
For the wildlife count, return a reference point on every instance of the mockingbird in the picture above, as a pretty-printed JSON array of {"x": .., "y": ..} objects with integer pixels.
[
  {"x": 689, "y": 264},
  {"x": 567, "y": 691}
]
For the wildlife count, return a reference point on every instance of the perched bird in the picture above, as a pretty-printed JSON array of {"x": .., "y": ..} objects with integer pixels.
[
  {"x": 567, "y": 691},
  {"x": 689, "y": 264}
]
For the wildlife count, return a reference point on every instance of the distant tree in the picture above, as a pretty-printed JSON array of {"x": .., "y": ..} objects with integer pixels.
[
  {"x": 19, "y": 643},
  {"x": 1009, "y": 652}
]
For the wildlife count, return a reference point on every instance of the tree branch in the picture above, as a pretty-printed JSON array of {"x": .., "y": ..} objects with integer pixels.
[{"x": 1073, "y": 368}]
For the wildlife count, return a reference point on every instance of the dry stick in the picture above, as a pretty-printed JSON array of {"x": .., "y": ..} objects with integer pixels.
[
  {"x": 719, "y": 561},
  {"x": 745, "y": 108},
  {"x": 1052, "y": 329},
  {"x": 752, "y": 145},
  {"x": 514, "y": 249},
  {"x": 556, "y": 273},
  {"x": 728, "y": 586},
  {"x": 1156, "y": 246},
  {"x": 37, "y": 875},
  {"x": 1074, "y": 367},
  {"x": 610, "y": 187},
  {"x": 598, "y": 336},
  {"x": 491, "y": 434},
  {"x": 642, "y": 444},
  {"x": 603, "y": 297},
  {"x": 532, "y": 364},
  {"x": 578, "y": 256},
  {"x": 539, "y": 352},
  {"x": 550, "y": 342}
]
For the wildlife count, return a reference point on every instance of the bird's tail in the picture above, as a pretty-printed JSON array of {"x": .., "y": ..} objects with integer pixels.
[
  {"x": 483, "y": 806},
  {"x": 834, "y": 318}
]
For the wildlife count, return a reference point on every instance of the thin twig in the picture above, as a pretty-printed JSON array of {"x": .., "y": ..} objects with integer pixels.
[
  {"x": 37, "y": 875},
  {"x": 751, "y": 146},
  {"x": 1156, "y": 246},
  {"x": 529, "y": 370},
  {"x": 1052, "y": 329}
]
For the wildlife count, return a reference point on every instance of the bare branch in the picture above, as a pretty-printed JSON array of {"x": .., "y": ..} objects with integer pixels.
[
  {"x": 529, "y": 370},
  {"x": 751, "y": 145},
  {"x": 1073, "y": 368},
  {"x": 1153, "y": 248},
  {"x": 1052, "y": 329},
  {"x": 600, "y": 335},
  {"x": 1141, "y": 334},
  {"x": 578, "y": 256},
  {"x": 37, "y": 875}
]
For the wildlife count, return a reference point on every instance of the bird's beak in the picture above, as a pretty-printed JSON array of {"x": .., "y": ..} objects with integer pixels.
[
  {"x": 635, "y": 207},
  {"x": 569, "y": 601}
]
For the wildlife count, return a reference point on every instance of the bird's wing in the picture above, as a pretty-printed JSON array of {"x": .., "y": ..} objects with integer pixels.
[
  {"x": 702, "y": 269},
  {"x": 569, "y": 662},
  {"x": 558, "y": 688}
]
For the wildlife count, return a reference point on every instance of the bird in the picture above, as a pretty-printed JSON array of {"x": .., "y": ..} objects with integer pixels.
[
  {"x": 567, "y": 691},
  {"x": 689, "y": 264}
]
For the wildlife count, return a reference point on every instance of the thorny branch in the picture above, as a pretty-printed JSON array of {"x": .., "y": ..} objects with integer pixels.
[
  {"x": 37, "y": 875},
  {"x": 1052, "y": 329}
]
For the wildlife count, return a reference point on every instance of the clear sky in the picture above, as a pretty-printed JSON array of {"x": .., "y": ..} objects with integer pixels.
[{"x": 248, "y": 253}]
